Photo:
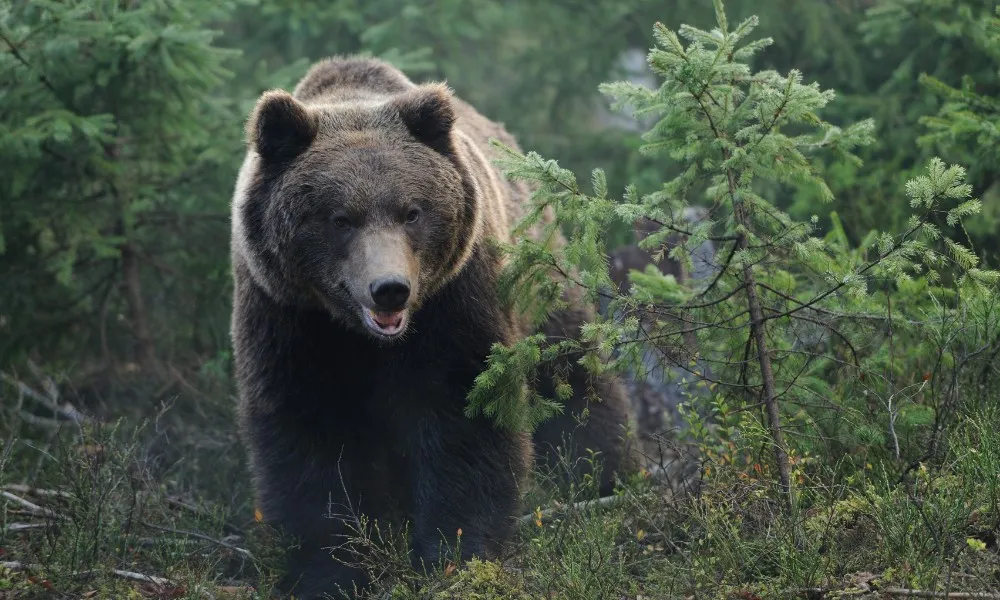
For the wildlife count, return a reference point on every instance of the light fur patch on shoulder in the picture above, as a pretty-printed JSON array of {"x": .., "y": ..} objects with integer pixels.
[
  {"x": 500, "y": 226},
  {"x": 241, "y": 244}
]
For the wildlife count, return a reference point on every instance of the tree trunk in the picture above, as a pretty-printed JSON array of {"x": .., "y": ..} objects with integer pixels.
[
  {"x": 145, "y": 349},
  {"x": 758, "y": 330}
]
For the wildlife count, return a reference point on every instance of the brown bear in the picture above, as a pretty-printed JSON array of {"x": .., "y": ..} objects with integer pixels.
[{"x": 365, "y": 305}]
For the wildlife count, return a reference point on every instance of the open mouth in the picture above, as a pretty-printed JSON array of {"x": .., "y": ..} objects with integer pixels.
[{"x": 386, "y": 324}]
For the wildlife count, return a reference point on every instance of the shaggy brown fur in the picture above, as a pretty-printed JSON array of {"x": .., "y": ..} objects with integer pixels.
[{"x": 365, "y": 306}]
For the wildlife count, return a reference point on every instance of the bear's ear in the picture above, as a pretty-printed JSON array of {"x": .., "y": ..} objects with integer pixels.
[
  {"x": 429, "y": 115},
  {"x": 280, "y": 127}
]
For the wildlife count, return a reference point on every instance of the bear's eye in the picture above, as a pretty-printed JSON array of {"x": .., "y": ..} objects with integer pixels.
[
  {"x": 341, "y": 222},
  {"x": 412, "y": 216}
]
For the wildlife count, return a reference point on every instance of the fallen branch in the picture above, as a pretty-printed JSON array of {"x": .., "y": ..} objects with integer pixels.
[
  {"x": 201, "y": 536},
  {"x": 37, "y": 421},
  {"x": 15, "y": 565},
  {"x": 14, "y": 527},
  {"x": 30, "y": 506},
  {"x": 49, "y": 397},
  {"x": 606, "y": 501},
  {"x": 141, "y": 577},
  {"x": 27, "y": 490},
  {"x": 149, "y": 542},
  {"x": 908, "y": 593}
]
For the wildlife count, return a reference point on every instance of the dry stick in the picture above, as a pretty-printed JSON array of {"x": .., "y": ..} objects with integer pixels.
[
  {"x": 14, "y": 527},
  {"x": 37, "y": 421},
  {"x": 142, "y": 577},
  {"x": 48, "y": 384},
  {"x": 548, "y": 513},
  {"x": 908, "y": 593},
  {"x": 31, "y": 506},
  {"x": 15, "y": 565},
  {"x": 27, "y": 490},
  {"x": 903, "y": 593},
  {"x": 147, "y": 542},
  {"x": 49, "y": 399},
  {"x": 201, "y": 536}
]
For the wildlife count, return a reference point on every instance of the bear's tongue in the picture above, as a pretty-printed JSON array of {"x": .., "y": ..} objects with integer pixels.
[{"x": 390, "y": 320}]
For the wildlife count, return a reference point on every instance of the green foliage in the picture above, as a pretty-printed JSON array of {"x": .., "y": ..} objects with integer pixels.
[
  {"x": 111, "y": 134},
  {"x": 918, "y": 45},
  {"x": 791, "y": 320},
  {"x": 501, "y": 390},
  {"x": 968, "y": 122}
]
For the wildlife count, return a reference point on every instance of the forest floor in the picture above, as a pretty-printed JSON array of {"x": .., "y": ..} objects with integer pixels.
[{"x": 159, "y": 508}]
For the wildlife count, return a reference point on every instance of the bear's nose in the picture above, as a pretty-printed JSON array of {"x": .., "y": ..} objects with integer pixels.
[{"x": 390, "y": 293}]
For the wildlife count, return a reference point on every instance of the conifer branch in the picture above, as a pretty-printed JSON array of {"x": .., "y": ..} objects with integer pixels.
[
  {"x": 869, "y": 266},
  {"x": 676, "y": 229},
  {"x": 724, "y": 269},
  {"x": 834, "y": 331},
  {"x": 24, "y": 61}
]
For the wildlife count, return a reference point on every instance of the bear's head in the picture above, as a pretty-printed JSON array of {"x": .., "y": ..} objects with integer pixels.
[{"x": 364, "y": 208}]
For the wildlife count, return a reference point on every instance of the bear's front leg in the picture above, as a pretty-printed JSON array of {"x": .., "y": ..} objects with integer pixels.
[
  {"x": 300, "y": 508},
  {"x": 313, "y": 496},
  {"x": 468, "y": 474},
  {"x": 314, "y": 573}
]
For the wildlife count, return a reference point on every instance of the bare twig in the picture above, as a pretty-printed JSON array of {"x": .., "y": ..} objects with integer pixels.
[
  {"x": 15, "y": 527},
  {"x": 718, "y": 275},
  {"x": 48, "y": 397},
  {"x": 37, "y": 421},
  {"x": 16, "y": 565},
  {"x": 150, "y": 542},
  {"x": 48, "y": 384},
  {"x": 201, "y": 536},
  {"x": 27, "y": 490},
  {"x": 141, "y": 577},
  {"x": 30, "y": 506},
  {"x": 890, "y": 378},
  {"x": 548, "y": 513},
  {"x": 909, "y": 593}
]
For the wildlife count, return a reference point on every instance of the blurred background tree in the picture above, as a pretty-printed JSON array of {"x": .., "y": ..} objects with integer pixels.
[{"x": 116, "y": 150}]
